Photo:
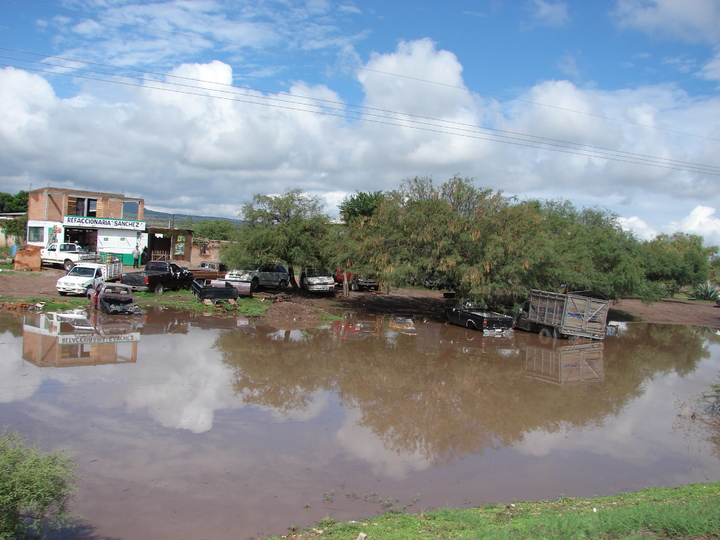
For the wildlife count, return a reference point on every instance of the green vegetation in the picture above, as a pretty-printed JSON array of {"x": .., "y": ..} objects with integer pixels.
[
  {"x": 492, "y": 248},
  {"x": 705, "y": 291},
  {"x": 14, "y": 228},
  {"x": 684, "y": 512},
  {"x": 35, "y": 487},
  {"x": 184, "y": 299},
  {"x": 289, "y": 228}
]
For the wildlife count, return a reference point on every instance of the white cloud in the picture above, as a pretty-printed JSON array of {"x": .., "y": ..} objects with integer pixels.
[
  {"x": 700, "y": 221},
  {"x": 697, "y": 20},
  {"x": 549, "y": 13}
]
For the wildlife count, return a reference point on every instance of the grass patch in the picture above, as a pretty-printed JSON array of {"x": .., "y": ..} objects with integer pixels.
[{"x": 657, "y": 513}]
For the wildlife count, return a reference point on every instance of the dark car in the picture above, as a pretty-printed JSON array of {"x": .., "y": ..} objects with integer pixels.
[
  {"x": 356, "y": 281},
  {"x": 475, "y": 318},
  {"x": 437, "y": 281}
]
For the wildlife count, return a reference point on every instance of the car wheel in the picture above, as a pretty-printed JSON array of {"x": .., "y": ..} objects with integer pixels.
[
  {"x": 68, "y": 265},
  {"x": 62, "y": 293},
  {"x": 254, "y": 284},
  {"x": 159, "y": 289},
  {"x": 89, "y": 293},
  {"x": 545, "y": 336},
  {"x": 470, "y": 325},
  {"x": 282, "y": 284},
  {"x": 354, "y": 286}
]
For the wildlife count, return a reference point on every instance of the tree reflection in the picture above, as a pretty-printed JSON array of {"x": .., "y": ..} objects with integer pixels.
[{"x": 455, "y": 397}]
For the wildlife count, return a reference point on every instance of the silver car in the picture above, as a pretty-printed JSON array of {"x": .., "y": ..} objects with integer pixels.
[{"x": 267, "y": 275}]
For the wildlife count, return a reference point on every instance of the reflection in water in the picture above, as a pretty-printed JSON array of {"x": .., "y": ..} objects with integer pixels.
[
  {"x": 565, "y": 364},
  {"x": 79, "y": 338},
  {"x": 213, "y": 407}
]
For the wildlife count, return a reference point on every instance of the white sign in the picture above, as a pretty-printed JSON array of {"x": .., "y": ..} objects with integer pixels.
[
  {"x": 78, "y": 339},
  {"x": 103, "y": 223}
]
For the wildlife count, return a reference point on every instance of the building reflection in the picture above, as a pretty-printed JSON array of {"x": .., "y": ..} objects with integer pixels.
[
  {"x": 565, "y": 364},
  {"x": 79, "y": 338}
]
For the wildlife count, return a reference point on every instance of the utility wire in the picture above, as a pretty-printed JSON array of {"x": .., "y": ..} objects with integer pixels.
[
  {"x": 405, "y": 121},
  {"x": 339, "y": 109},
  {"x": 345, "y": 65}
]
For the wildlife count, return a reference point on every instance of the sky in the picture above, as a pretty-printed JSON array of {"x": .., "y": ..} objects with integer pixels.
[{"x": 197, "y": 105}]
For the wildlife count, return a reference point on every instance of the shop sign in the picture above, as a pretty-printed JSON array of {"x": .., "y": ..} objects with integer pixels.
[{"x": 103, "y": 223}]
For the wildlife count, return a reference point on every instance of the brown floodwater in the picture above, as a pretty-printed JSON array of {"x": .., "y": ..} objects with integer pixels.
[{"x": 196, "y": 427}]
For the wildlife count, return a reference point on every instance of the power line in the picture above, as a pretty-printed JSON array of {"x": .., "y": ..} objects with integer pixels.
[
  {"x": 353, "y": 66},
  {"x": 401, "y": 120},
  {"x": 338, "y": 109}
]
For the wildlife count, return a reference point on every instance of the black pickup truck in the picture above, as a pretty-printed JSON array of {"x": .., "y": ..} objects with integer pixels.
[
  {"x": 158, "y": 276},
  {"x": 488, "y": 322}
]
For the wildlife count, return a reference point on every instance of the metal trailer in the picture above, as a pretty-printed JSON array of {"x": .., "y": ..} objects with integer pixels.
[{"x": 557, "y": 315}]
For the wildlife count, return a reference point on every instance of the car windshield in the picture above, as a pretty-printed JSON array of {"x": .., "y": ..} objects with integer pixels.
[
  {"x": 317, "y": 272},
  {"x": 81, "y": 272}
]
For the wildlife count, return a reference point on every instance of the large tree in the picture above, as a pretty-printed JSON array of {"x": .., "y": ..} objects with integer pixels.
[
  {"x": 677, "y": 260},
  {"x": 291, "y": 228}
]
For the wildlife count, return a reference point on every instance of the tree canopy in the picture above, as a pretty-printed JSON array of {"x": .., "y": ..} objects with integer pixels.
[
  {"x": 491, "y": 247},
  {"x": 289, "y": 228}
]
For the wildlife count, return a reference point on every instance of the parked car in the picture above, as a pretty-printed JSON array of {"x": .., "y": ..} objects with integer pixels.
[
  {"x": 66, "y": 255},
  {"x": 210, "y": 270},
  {"x": 271, "y": 275},
  {"x": 437, "y": 281},
  {"x": 317, "y": 280},
  {"x": 475, "y": 318},
  {"x": 356, "y": 281},
  {"x": 159, "y": 276},
  {"x": 85, "y": 277}
]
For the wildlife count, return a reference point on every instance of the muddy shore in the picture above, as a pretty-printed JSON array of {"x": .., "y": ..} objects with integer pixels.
[{"x": 297, "y": 308}]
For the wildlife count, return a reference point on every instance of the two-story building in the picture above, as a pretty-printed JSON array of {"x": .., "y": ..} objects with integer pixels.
[{"x": 101, "y": 222}]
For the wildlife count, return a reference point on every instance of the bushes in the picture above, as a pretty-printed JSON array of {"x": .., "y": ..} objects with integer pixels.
[{"x": 35, "y": 487}]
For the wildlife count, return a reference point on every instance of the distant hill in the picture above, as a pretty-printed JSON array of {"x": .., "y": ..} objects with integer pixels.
[{"x": 163, "y": 219}]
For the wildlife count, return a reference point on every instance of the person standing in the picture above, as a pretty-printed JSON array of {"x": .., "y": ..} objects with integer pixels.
[{"x": 136, "y": 257}]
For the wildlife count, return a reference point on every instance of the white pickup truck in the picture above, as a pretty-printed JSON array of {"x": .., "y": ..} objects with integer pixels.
[
  {"x": 85, "y": 277},
  {"x": 67, "y": 255}
]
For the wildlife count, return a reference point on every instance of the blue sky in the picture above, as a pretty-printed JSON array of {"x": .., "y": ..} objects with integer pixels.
[{"x": 197, "y": 105}]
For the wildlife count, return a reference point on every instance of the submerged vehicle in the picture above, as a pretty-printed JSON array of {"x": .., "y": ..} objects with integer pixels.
[
  {"x": 220, "y": 289},
  {"x": 558, "y": 315},
  {"x": 115, "y": 299},
  {"x": 475, "y": 318}
]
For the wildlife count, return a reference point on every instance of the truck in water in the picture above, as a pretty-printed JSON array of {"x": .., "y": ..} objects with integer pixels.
[{"x": 558, "y": 315}]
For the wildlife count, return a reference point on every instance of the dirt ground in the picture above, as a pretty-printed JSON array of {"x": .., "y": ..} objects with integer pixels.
[{"x": 300, "y": 310}]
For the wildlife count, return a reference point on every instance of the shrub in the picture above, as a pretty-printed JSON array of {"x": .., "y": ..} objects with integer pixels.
[
  {"x": 704, "y": 291},
  {"x": 35, "y": 487}
]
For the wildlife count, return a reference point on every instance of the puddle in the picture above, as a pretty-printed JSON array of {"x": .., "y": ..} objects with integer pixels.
[{"x": 189, "y": 426}]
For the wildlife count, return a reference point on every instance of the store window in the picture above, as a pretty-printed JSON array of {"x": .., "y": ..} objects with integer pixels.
[{"x": 35, "y": 234}]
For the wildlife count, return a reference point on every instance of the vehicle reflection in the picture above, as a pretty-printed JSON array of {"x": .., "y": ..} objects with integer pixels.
[
  {"x": 565, "y": 364},
  {"x": 79, "y": 338}
]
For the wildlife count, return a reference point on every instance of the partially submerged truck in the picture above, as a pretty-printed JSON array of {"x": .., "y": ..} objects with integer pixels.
[{"x": 558, "y": 315}]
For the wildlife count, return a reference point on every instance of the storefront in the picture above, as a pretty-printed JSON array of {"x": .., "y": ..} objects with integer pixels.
[{"x": 101, "y": 235}]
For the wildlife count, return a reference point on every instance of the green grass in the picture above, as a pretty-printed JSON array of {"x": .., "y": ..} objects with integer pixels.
[
  {"x": 249, "y": 307},
  {"x": 681, "y": 513}
]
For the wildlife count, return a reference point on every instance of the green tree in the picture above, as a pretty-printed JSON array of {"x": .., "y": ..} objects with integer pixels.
[
  {"x": 215, "y": 229},
  {"x": 290, "y": 228},
  {"x": 36, "y": 488},
  {"x": 14, "y": 203},
  {"x": 16, "y": 228},
  {"x": 676, "y": 261},
  {"x": 361, "y": 205}
]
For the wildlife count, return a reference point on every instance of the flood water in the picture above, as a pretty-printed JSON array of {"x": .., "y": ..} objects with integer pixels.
[{"x": 198, "y": 427}]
